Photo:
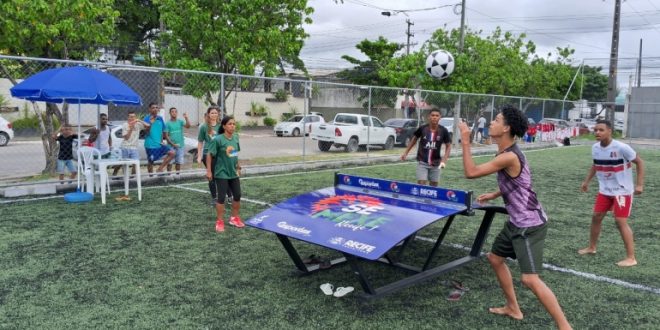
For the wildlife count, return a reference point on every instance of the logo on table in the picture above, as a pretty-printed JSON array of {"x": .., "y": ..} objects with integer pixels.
[
  {"x": 354, "y": 212},
  {"x": 295, "y": 229},
  {"x": 336, "y": 240},
  {"x": 359, "y": 246},
  {"x": 394, "y": 187},
  {"x": 451, "y": 196},
  {"x": 414, "y": 191},
  {"x": 369, "y": 184},
  {"x": 352, "y": 244},
  {"x": 425, "y": 192},
  {"x": 258, "y": 220},
  {"x": 347, "y": 180}
]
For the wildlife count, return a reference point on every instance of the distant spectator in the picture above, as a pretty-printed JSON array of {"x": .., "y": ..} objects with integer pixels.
[
  {"x": 65, "y": 155},
  {"x": 175, "y": 128}
]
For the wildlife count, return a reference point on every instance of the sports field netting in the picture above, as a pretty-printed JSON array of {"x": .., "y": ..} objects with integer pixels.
[{"x": 159, "y": 264}]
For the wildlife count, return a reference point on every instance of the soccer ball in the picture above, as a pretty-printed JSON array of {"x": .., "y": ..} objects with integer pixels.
[{"x": 440, "y": 64}]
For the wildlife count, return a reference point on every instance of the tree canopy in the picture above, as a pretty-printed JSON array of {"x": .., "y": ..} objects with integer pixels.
[
  {"x": 68, "y": 29},
  {"x": 240, "y": 36}
]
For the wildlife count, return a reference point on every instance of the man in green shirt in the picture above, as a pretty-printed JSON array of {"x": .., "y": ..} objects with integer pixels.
[{"x": 175, "y": 127}]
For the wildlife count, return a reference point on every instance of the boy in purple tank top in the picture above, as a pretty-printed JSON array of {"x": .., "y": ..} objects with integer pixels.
[{"x": 523, "y": 236}]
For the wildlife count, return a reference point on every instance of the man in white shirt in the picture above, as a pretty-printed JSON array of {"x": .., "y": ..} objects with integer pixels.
[
  {"x": 103, "y": 140},
  {"x": 481, "y": 123},
  {"x": 613, "y": 166}
]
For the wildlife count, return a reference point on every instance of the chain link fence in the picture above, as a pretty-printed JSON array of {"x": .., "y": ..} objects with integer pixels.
[{"x": 279, "y": 118}]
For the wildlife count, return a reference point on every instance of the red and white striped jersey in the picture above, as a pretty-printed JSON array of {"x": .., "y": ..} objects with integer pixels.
[{"x": 613, "y": 168}]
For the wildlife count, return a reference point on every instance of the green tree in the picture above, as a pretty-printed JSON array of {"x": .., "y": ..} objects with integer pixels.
[
  {"x": 595, "y": 84},
  {"x": 138, "y": 23},
  {"x": 501, "y": 64},
  {"x": 379, "y": 53},
  {"x": 66, "y": 29},
  {"x": 240, "y": 36}
]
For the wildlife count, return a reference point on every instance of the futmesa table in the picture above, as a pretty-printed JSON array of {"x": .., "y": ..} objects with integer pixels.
[{"x": 368, "y": 219}]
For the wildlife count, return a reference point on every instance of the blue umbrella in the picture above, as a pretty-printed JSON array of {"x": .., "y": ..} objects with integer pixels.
[{"x": 75, "y": 84}]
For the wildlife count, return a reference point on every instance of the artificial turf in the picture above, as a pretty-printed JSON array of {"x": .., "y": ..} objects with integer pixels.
[{"x": 159, "y": 264}]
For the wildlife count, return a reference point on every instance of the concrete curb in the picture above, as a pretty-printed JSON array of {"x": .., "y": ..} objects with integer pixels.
[{"x": 250, "y": 170}]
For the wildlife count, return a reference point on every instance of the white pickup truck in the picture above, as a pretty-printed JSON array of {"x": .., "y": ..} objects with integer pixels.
[{"x": 350, "y": 131}]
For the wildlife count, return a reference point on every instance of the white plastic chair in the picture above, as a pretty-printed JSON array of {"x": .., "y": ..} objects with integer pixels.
[{"x": 87, "y": 170}]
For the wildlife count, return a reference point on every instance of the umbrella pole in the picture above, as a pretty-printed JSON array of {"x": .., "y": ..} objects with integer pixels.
[{"x": 79, "y": 146}]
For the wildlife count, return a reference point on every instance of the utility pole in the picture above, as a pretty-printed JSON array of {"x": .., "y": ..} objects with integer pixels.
[
  {"x": 639, "y": 66},
  {"x": 462, "y": 40},
  {"x": 614, "y": 54},
  {"x": 408, "y": 34}
]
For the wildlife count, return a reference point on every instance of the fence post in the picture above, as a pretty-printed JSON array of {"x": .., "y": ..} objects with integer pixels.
[
  {"x": 222, "y": 93},
  {"x": 370, "y": 123}
]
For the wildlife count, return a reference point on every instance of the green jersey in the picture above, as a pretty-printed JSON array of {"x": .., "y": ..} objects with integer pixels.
[
  {"x": 175, "y": 129},
  {"x": 205, "y": 135},
  {"x": 225, "y": 150}
]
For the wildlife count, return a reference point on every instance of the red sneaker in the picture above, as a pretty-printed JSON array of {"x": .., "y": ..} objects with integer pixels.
[
  {"x": 236, "y": 221},
  {"x": 220, "y": 226}
]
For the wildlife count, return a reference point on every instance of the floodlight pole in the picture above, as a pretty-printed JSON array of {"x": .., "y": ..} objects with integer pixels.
[{"x": 462, "y": 39}]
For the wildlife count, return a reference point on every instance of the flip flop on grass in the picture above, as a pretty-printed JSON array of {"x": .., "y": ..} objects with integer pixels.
[
  {"x": 312, "y": 259},
  {"x": 342, "y": 291},
  {"x": 455, "y": 295}
]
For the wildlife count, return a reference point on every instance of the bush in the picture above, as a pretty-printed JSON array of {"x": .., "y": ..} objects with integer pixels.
[
  {"x": 270, "y": 121},
  {"x": 258, "y": 109},
  {"x": 281, "y": 95},
  {"x": 286, "y": 115}
]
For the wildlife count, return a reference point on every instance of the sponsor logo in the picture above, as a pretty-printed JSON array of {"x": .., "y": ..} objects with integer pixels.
[
  {"x": 369, "y": 184},
  {"x": 336, "y": 240},
  {"x": 414, "y": 191},
  {"x": 354, "y": 212},
  {"x": 451, "y": 196},
  {"x": 258, "y": 220},
  {"x": 428, "y": 192},
  {"x": 298, "y": 230},
  {"x": 359, "y": 246},
  {"x": 394, "y": 187},
  {"x": 347, "y": 180}
]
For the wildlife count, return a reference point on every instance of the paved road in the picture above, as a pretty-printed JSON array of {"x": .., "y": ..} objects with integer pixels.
[{"x": 26, "y": 158}]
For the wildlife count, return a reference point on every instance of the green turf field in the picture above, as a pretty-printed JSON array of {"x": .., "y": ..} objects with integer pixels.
[{"x": 159, "y": 264}]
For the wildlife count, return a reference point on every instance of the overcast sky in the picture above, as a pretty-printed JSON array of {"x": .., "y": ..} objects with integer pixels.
[{"x": 584, "y": 25}]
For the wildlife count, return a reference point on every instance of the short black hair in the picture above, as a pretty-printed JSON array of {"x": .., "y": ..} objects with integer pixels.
[
  {"x": 152, "y": 104},
  {"x": 515, "y": 119},
  {"x": 104, "y": 115},
  {"x": 435, "y": 110},
  {"x": 604, "y": 121}
]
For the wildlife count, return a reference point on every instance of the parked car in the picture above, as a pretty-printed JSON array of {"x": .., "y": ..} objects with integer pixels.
[
  {"x": 589, "y": 123},
  {"x": 448, "y": 123},
  {"x": 618, "y": 125},
  {"x": 6, "y": 132},
  {"x": 351, "y": 131},
  {"x": 404, "y": 128},
  {"x": 116, "y": 136},
  {"x": 297, "y": 124}
]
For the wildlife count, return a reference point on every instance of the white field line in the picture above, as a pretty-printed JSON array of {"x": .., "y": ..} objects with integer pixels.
[
  {"x": 590, "y": 276},
  {"x": 594, "y": 277},
  {"x": 207, "y": 192}
]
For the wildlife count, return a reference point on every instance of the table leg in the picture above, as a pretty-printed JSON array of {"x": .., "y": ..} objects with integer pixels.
[
  {"x": 104, "y": 180},
  {"x": 127, "y": 174},
  {"x": 139, "y": 180}
]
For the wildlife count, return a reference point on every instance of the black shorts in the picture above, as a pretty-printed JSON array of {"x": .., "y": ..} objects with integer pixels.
[
  {"x": 524, "y": 244},
  {"x": 225, "y": 185}
]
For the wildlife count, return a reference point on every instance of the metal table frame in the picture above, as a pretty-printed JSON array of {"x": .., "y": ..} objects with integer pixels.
[{"x": 419, "y": 273}]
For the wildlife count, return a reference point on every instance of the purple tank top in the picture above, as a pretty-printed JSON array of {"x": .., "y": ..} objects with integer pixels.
[{"x": 519, "y": 197}]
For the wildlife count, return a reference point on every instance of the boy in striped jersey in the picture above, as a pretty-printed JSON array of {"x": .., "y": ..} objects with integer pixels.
[{"x": 613, "y": 166}]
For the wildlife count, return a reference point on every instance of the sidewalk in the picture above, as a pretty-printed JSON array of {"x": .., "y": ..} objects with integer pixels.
[{"x": 47, "y": 188}]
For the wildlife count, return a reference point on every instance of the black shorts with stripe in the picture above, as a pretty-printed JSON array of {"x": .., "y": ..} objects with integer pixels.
[{"x": 524, "y": 244}]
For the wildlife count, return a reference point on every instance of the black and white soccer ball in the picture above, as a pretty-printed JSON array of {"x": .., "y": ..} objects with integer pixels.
[{"x": 440, "y": 64}]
